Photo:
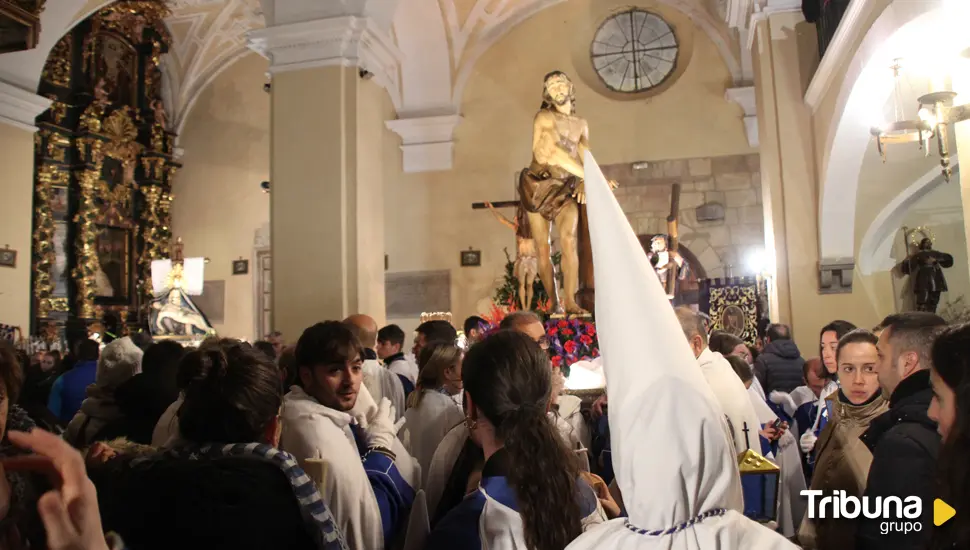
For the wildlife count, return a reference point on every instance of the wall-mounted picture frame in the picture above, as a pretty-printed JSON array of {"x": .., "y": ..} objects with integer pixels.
[
  {"x": 8, "y": 257},
  {"x": 240, "y": 267},
  {"x": 471, "y": 258}
]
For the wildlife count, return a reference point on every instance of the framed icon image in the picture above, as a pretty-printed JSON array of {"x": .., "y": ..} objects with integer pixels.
[
  {"x": 8, "y": 257},
  {"x": 471, "y": 258},
  {"x": 240, "y": 267}
]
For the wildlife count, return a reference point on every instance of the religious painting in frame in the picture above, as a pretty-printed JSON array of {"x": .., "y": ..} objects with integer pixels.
[
  {"x": 8, "y": 257},
  {"x": 59, "y": 272},
  {"x": 471, "y": 258},
  {"x": 734, "y": 305},
  {"x": 112, "y": 281},
  {"x": 240, "y": 267},
  {"x": 59, "y": 202}
]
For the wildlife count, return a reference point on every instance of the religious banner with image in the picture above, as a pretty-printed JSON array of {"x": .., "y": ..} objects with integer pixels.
[{"x": 735, "y": 305}]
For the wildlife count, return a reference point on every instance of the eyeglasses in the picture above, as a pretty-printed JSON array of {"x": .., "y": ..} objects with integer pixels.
[{"x": 543, "y": 342}]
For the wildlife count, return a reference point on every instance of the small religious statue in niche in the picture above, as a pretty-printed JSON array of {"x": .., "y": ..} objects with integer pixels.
[
  {"x": 663, "y": 260},
  {"x": 925, "y": 268},
  {"x": 526, "y": 260},
  {"x": 552, "y": 187},
  {"x": 158, "y": 110},
  {"x": 101, "y": 96}
]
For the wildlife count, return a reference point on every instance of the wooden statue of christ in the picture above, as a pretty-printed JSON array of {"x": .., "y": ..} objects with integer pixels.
[{"x": 552, "y": 187}]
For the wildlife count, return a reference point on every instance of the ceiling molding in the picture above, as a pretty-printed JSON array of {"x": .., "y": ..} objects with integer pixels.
[{"x": 19, "y": 108}]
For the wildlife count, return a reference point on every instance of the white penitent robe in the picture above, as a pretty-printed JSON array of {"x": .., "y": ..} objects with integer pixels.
[
  {"x": 731, "y": 394},
  {"x": 689, "y": 496},
  {"x": 314, "y": 431},
  {"x": 791, "y": 506},
  {"x": 428, "y": 423},
  {"x": 382, "y": 383},
  {"x": 570, "y": 422},
  {"x": 442, "y": 462}
]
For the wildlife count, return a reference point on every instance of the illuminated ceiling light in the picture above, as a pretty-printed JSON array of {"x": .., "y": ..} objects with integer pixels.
[{"x": 901, "y": 131}]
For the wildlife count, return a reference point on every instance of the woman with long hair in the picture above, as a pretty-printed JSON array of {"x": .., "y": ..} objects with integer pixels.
[
  {"x": 950, "y": 408},
  {"x": 530, "y": 495},
  {"x": 843, "y": 459},
  {"x": 432, "y": 410}
]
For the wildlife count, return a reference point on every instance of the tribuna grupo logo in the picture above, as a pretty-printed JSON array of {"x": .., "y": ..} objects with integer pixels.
[{"x": 899, "y": 515}]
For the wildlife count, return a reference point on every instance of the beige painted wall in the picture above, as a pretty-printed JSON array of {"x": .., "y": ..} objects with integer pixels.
[
  {"x": 16, "y": 185},
  {"x": 218, "y": 202},
  {"x": 429, "y": 216}
]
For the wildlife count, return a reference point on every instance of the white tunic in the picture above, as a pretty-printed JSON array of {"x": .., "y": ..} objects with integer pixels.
[
  {"x": 427, "y": 424},
  {"x": 791, "y": 505},
  {"x": 404, "y": 368},
  {"x": 312, "y": 430},
  {"x": 731, "y": 394},
  {"x": 687, "y": 497},
  {"x": 383, "y": 383}
]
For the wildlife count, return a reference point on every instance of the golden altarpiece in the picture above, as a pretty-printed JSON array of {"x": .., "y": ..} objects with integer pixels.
[{"x": 104, "y": 169}]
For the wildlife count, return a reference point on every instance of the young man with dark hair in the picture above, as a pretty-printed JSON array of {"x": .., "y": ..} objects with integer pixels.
[
  {"x": 474, "y": 329},
  {"x": 432, "y": 331},
  {"x": 903, "y": 440},
  {"x": 390, "y": 346},
  {"x": 369, "y": 478},
  {"x": 779, "y": 366}
]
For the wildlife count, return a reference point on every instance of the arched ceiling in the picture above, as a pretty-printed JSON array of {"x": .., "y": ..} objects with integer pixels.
[
  {"x": 208, "y": 36},
  {"x": 440, "y": 42}
]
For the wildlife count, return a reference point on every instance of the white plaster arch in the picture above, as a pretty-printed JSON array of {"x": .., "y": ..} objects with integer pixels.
[
  {"x": 23, "y": 69},
  {"x": 526, "y": 9},
  {"x": 425, "y": 69},
  {"x": 228, "y": 59},
  {"x": 867, "y": 86},
  {"x": 876, "y": 247}
]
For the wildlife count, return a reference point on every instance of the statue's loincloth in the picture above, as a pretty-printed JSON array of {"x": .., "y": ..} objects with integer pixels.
[{"x": 546, "y": 189}]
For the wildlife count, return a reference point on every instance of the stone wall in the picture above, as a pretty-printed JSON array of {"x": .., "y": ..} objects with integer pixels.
[{"x": 734, "y": 182}]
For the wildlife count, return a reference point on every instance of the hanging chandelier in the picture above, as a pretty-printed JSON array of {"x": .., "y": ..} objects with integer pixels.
[
  {"x": 936, "y": 114},
  {"x": 901, "y": 130}
]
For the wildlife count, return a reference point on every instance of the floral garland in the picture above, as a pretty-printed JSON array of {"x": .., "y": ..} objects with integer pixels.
[{"x": 571, "y": 341}]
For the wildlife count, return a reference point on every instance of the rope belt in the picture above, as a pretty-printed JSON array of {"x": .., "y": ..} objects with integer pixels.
[{"x": 676, "y": 528}]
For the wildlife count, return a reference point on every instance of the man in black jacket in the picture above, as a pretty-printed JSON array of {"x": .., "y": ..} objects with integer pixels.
[
  {"x": 779, "y": 367},
  {"x": 903, "y": 440}
]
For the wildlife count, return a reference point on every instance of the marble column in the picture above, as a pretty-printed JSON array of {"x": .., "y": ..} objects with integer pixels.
[
  {"x": 327, "y": 147},
  {"x": 18, "y": 110}
]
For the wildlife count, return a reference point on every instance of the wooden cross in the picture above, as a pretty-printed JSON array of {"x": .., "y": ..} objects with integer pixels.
[{"x": 499, "y": 204}]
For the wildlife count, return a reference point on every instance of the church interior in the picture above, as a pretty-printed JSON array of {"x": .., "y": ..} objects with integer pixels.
[{"x": 329, "y": 159}]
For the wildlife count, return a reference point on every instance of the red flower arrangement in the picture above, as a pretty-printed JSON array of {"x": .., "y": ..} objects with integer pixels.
[{"x": 571, "y": 341}]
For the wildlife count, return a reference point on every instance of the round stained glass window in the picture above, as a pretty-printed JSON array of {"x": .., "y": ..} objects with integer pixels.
[{"x": 634, "y": 51}]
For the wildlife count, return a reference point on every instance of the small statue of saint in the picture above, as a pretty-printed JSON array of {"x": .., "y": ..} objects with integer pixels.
[
  {"x": 158, "y": 111},
  {"x": 552, "y": 187},
  {"x": 663, "y": 260},
  {"x": 526, "y": 261},
  {"x": 925, "y": 267}
]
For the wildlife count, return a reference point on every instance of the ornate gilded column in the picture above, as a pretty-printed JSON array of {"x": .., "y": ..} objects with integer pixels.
[
  {"x": 150, "y": 235},
  {"x": 87, "y": 232},
  {"x": 45, "y": 257}
]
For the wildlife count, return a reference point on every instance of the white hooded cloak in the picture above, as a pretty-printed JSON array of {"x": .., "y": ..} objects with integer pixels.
[
  {"x": 314, "y": 431},
  {"x": 676, "y": 470}
]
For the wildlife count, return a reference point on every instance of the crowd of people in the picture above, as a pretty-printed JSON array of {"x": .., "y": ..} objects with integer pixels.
[{"x": 344, "y": 440}]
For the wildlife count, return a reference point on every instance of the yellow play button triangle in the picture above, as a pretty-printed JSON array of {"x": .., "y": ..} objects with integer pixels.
[{"x": 942, "y": 512}]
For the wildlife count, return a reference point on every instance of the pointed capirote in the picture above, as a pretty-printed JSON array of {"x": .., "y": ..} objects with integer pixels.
[{"x": 677, "y": 474}]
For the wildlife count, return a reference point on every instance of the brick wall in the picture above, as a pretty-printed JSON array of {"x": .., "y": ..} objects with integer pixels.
[{"x": 721, "y": 246}]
